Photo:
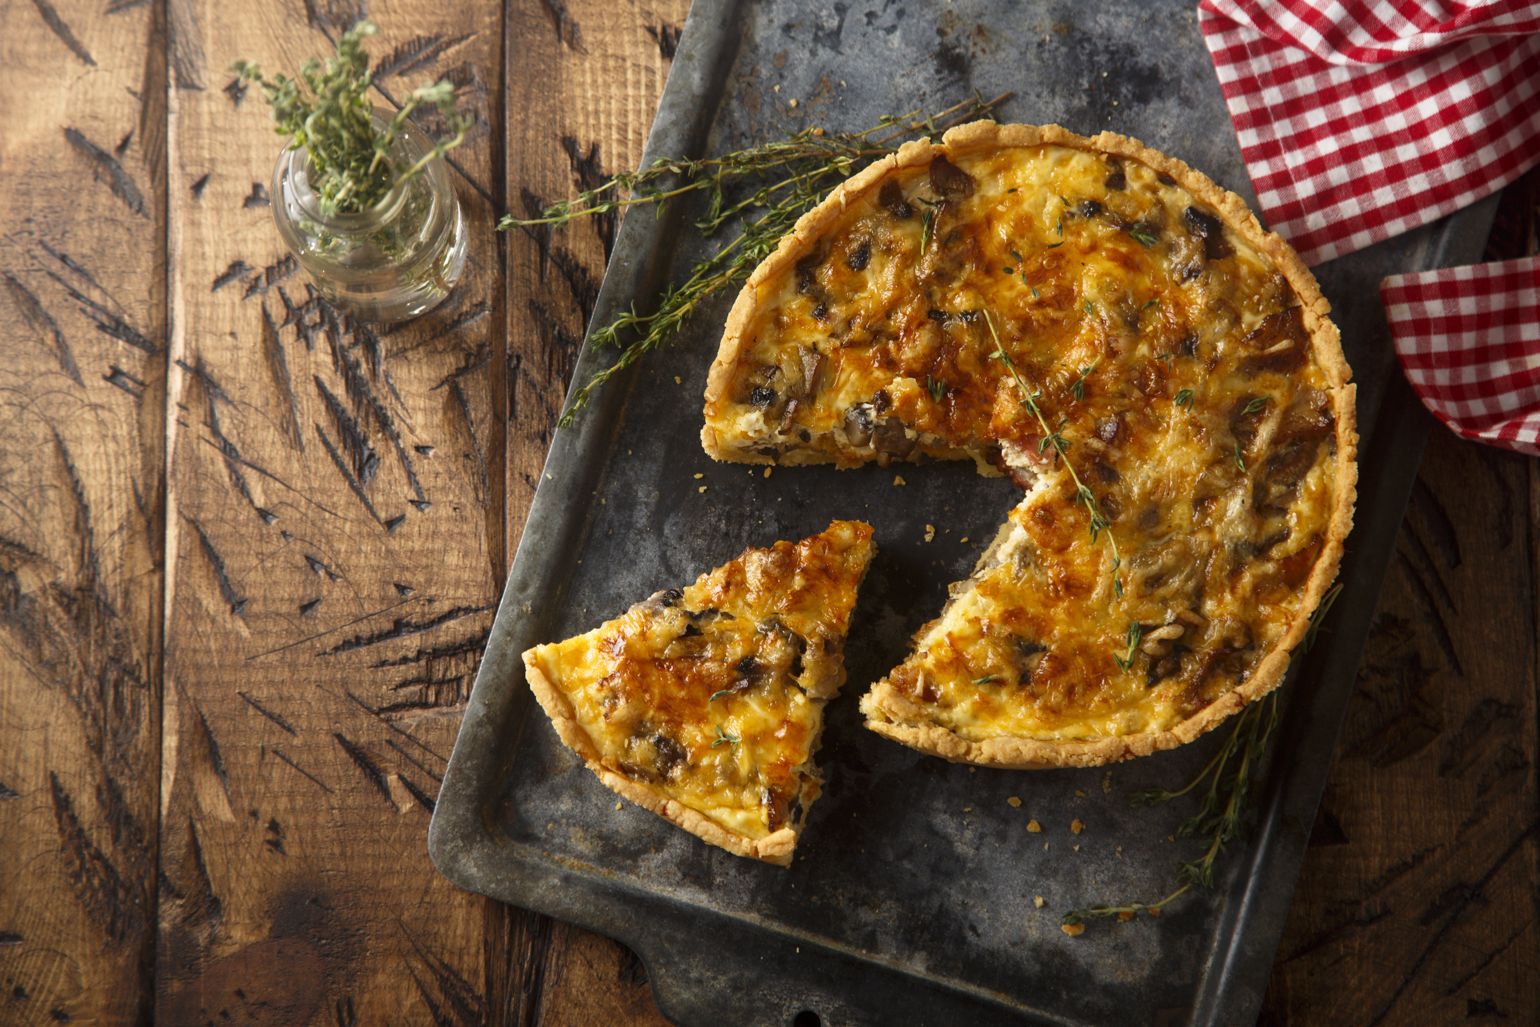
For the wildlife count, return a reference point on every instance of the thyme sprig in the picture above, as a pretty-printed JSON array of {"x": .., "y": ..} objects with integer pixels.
[
  {"x": 761, "y": 189},
  {"x": 726, "y": 738},
  {"x": 1221, "y": 815},
  {"x": 1099, "y": 524},
  {"x": 1229, "y": 776},
  {"x": 327, "y": 111}
]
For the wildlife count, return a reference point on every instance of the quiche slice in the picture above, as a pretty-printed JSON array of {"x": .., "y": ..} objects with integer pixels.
[
  {"x": 704, "y": 704},
  {"x": 1117, "y": 334}
]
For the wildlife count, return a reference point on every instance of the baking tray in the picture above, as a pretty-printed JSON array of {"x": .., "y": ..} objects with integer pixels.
[{"x": 911, "y": 898}]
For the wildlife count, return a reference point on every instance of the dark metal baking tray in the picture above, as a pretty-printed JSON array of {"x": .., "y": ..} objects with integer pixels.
[{"x": 911, "y": 899}]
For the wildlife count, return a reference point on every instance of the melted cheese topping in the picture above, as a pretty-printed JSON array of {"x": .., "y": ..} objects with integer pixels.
[
  {"x": 1167, "y": 356},
  {"x": 714, "y": 694}
]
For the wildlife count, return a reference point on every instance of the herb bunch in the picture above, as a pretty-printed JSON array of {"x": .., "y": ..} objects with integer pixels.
[
  {"x": 327, "y": 112},
  {"x": 761, "y": 191}
]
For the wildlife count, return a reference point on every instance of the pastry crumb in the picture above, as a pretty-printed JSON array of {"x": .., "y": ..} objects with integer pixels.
[
  {"x": 1033, "y": 827},
  {"x": 963, "y": 539},
  {"x": 1080, "y": 793},
  {"x": 701, "y": 489},
  {"x": 678, "y": 380},
  {"x": 898, "y": 479},
  {"x": 1107, "y": 783},
  {"x": 967, "y": 809},
  {"x": 699, "y": 475},
  {"x": 1014, "y": 801},
  {"x": 1074, "y": 848},
  {"x": 792, "y": 103},
  {"x": 1076, "y": 826},
  {"x": 617, "y": 805},
  {"x": 930, "y": 532},
  {"x": 768, "y": 470},
  {"x": 1037, "y": 900},
  {"x": 1073, "y": 930}
]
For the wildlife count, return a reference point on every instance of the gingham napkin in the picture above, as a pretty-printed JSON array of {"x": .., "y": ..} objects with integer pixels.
[{"x": 1362, "y": 119}]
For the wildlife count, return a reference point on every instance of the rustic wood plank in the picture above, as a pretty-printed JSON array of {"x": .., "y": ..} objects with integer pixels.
[
  {"x": 1420, "y": 885},
  {"x": 334, "y": 557},
  {"x": 584, "y": 82},
  {"x": 82, "y": 387}
]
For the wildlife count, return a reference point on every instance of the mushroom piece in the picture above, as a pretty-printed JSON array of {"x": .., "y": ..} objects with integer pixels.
[
  {"x": 891, "y": 199},
  {"x": 859, "y": 422},
  {"x": 1280, "y": 341},
  {"x": 1158, "y": 642},
  {"x": 891, "y": 439},
  {"x": 1211, "y": 230},
  {"x": 949, "y": 180}
]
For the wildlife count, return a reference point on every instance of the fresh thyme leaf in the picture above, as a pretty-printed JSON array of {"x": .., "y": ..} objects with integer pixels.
[
  {"x": 1014, "y": 255},
  {"x": 986, "y": 679},
  {"x": 1255, "y": 405},
  {"x": 1135, "y": 633},
  {"x": 759, "y": 191},
  {"x": 1184, "y": 398},
  {"x": 718, "y": 694},
  {"x": 1060, "y": 229},
  {"x": 927, "y": 226},
  {"x": 1036, "y": 294},
  {"x": 937, "y": 388},
  {"x": 1090, "y": 308},
  {"x": 1319, "y": 614},
  {"x": 327, "y": 111},
  {"x": 1143, "y": 236},
  {"x": 725, "y": 738},
  {"x": 1240, "y": 461},
  {"x": 1078, "y": 389}
]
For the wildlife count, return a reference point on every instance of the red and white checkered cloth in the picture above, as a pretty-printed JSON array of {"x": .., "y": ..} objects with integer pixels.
[
  {"x": 1469, "y": 341},
  {"x": 1362, "y": 119}
]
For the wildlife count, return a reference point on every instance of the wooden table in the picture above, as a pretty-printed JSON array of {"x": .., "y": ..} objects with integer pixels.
[{"x": 249, "y": 556}]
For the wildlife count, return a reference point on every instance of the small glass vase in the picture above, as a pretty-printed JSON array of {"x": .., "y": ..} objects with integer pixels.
[{"x": 397, "y": 259}]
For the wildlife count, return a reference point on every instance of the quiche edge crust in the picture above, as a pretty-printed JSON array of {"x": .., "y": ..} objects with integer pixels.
[
  {"x": 1033, "y": 753},
  {"x": 776, "y": 847}
]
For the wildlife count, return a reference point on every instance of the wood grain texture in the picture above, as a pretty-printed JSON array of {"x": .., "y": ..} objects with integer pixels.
[
  {"x": 82, "y": 386},
  {"x": 1420, "y": 884},
  {"x": 333, "y": 561},
  {"x": 584, "y": 80}
]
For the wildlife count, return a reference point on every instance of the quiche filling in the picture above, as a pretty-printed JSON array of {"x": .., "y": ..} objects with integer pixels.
[
  {"x": 712, "y": 695},
  {"x": 1144, "y": 369}
]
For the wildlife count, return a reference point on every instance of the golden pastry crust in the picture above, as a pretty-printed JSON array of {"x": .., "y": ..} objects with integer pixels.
[
  {"x": 894, "y": 711},
  {"x": 705, "y": 704}
]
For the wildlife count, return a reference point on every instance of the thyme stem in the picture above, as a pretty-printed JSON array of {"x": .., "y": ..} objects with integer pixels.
[
  {"x": 784, "y": 178},
  {"x": 1084, "y": 496}
]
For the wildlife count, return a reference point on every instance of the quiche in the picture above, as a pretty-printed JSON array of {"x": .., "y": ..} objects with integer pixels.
[
  {"x": 704, "y": 704},
  {"x": 1119, "y": 336}
]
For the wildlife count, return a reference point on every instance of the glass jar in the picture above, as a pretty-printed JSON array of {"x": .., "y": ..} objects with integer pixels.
[{"x": 397, "y": 259}]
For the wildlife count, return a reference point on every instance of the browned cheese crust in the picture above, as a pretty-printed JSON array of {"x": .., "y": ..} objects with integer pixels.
[
  {"x": 705, "y": 704},
  {"x": 812, "y": 370}
]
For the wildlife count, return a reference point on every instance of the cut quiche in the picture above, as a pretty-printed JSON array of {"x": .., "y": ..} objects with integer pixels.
[
  {"x": 704, "y": 704},
  {"x": 1117, "y": 334}
]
